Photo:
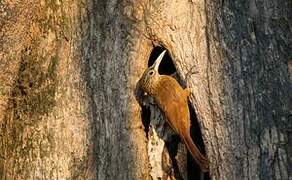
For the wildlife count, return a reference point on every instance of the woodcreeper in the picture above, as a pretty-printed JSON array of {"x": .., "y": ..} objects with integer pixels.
[{"x": 172, "y": 100}]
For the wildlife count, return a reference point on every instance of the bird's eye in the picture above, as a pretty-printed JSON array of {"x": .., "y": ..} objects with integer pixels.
[{"x": 151, "y": 73}]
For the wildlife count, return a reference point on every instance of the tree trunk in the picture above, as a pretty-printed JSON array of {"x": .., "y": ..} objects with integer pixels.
[
  {"x": 68, "y": 110},
  {"x": 69, "y": 72}
]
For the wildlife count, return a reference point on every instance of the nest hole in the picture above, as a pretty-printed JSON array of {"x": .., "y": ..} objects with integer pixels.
[{"x": 167, "y": 67}]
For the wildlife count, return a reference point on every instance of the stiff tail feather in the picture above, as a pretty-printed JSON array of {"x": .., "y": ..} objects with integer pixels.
[{"x": 196, "y": 154}]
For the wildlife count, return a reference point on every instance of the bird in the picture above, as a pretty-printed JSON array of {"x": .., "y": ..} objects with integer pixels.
[{"x": 172, "y": 100}]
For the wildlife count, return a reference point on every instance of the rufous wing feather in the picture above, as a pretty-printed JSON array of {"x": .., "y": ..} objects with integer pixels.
[{"x": 196, "y": 154}]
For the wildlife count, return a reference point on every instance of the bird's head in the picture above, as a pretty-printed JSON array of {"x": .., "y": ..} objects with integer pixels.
[{"x": 151, "y": 76}]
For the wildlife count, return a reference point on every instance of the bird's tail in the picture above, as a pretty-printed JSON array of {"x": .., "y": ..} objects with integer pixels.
[{"x": 200, "y": 159}]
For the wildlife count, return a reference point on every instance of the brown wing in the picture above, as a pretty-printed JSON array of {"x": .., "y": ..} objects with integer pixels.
[{"x": 172, "y": 100}]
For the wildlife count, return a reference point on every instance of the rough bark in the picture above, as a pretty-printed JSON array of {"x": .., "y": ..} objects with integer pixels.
[
  {"x": 69, "y": 70},
  {"x": 234, "y": 56},
  {"x": 68, "y": 110},
  {"x": 253, "y": 41},
  {"x": 46, "y": 132}
]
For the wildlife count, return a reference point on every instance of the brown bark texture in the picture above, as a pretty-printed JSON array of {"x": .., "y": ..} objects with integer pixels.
[
  {"x": 67, "y": 107},
  {"x": 69, "y": 72}
]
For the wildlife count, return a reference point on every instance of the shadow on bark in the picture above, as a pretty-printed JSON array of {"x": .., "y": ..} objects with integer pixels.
[{"x": 116, "y": 149}]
